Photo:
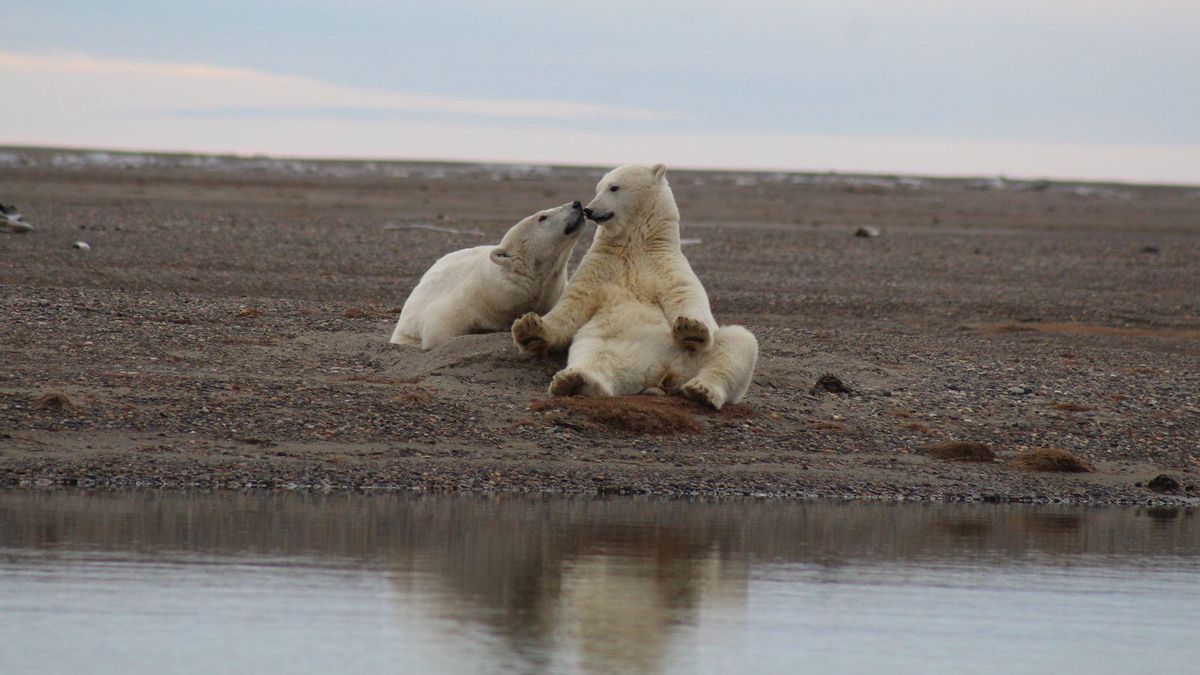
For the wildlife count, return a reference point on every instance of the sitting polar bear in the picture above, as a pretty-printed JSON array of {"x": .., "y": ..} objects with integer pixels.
[
  {"x": 635, "y": 316},
  {"x": 482, "y": 289}
]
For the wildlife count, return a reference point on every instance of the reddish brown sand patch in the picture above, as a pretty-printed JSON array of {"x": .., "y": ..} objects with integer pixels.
[
  {"x": 1049, "y": 459},
  {"x": 639, "y": 415},
  {"x": 961, "y": 451}
]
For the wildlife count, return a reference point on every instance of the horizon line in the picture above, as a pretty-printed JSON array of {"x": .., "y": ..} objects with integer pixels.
[{"x": 713, "y": 168}]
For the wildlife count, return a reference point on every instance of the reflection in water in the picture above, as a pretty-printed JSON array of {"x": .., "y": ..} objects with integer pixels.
[{"x": 555, "y": 584}]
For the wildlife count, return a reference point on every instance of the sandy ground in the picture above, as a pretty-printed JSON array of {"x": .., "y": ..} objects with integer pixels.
[{"x": 228, "y": 328}]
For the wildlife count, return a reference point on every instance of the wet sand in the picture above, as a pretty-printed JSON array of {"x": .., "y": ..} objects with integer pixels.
[{"x": 228, "y": 328}]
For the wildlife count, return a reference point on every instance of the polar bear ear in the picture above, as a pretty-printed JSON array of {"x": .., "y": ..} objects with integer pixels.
[
  {"x": 501, "y": 257},
  {"x": 659, "y": 171}
]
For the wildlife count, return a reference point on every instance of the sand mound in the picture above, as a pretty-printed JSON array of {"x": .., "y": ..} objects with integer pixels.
[
  {"x": 54, "y": 400},
  {"x": 960, "y": 451},
  {"x": 1049, "y": 459}
]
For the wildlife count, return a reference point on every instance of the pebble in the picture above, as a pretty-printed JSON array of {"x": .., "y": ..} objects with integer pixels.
[{"x": 82, "y": 245}]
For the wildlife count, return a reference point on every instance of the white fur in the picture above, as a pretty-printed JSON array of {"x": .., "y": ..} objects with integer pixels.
[
  {"x": 635, "y": 316},
  {"x": 482, "y": 289}
]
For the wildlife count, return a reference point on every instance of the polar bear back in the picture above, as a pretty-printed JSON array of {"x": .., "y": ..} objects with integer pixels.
[{"x": 452, "y": 297}]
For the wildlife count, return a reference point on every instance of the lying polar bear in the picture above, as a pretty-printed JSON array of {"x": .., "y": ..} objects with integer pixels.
[
  {"x": 635, "y": 316},
  {"x": 482, "y": 289}
]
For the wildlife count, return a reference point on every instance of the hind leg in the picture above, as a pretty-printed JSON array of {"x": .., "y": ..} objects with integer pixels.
[
  {"x": 725, "y": 369},
  {"x": 579, "y": 382},
  {"x": 585, "y": 374}
]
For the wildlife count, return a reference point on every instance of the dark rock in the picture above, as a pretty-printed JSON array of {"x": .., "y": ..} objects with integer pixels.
[
  {"x": 1163, "y": 484},
  {"x": 830, "y": 383}
]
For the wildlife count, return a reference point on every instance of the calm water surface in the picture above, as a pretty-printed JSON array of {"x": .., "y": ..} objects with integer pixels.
[{"x": 215, "y": 583}]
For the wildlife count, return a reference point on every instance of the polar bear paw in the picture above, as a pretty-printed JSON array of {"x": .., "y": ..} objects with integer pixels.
[
  {"x": 568, "y": 383},
  {"x": 575, "y": 382},
  {"x": 704, "y": 393},
  {"x": 529, "y": 333},
  {"x": 691, "y": 334}
]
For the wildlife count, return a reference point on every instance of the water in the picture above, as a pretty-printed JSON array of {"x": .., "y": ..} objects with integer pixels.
[{"x": 226, "y": 582}]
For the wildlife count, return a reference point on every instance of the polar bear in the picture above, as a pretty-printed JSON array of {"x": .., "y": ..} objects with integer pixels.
[
  {"x": 635, "y": 316},
  {"x": 482, "y": 289}
]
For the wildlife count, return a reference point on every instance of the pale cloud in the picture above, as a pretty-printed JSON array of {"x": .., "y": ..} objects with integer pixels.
[
  {"x": 81, "y": 100},
  {"x": 141, "y": 87}
]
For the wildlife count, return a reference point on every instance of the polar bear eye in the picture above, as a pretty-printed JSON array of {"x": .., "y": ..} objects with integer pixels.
[
  {"x": 614, "y": 188},
  {"x": 541, "y": 218}
]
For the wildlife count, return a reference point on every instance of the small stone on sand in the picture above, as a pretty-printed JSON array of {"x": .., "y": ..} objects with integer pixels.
[
  {"x": 831, "y": 384},
  {"x": 1163, "y": 483}
]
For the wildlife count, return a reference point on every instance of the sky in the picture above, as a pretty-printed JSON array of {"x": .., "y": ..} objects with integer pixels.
[{"x": 1083, "y": 89}]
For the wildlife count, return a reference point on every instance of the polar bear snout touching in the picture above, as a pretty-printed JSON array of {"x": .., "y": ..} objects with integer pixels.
[
  {"x": 543, "y": 240},
  {"x": 482, "y": 289},
  {"x": 598, "y": 215},
  {"x": 576, "y": 222},
  {"x": 635, "y": 317}
]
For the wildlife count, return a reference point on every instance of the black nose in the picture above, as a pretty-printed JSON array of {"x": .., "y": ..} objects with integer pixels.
[
  {"x": 587, "y": 212},
  {"x": 576, "y": 205}
]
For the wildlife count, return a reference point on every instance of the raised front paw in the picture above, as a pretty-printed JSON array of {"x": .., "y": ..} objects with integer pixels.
[
  {"x": 529, "y": 333},
  {"x": 690, "y": 334}
]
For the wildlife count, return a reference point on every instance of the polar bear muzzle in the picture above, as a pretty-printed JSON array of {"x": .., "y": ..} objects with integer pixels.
[
  {"x": 576, "y": 219},
  {"x": 598, "y": 216}
]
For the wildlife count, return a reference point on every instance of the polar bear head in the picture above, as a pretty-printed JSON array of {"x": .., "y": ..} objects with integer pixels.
[
  {"x": 540, "y": 245},
  {"x": 632, "y": 194}
]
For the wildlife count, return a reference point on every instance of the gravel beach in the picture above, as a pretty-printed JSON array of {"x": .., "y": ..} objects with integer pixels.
[{"x": 226, "y": 326}]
